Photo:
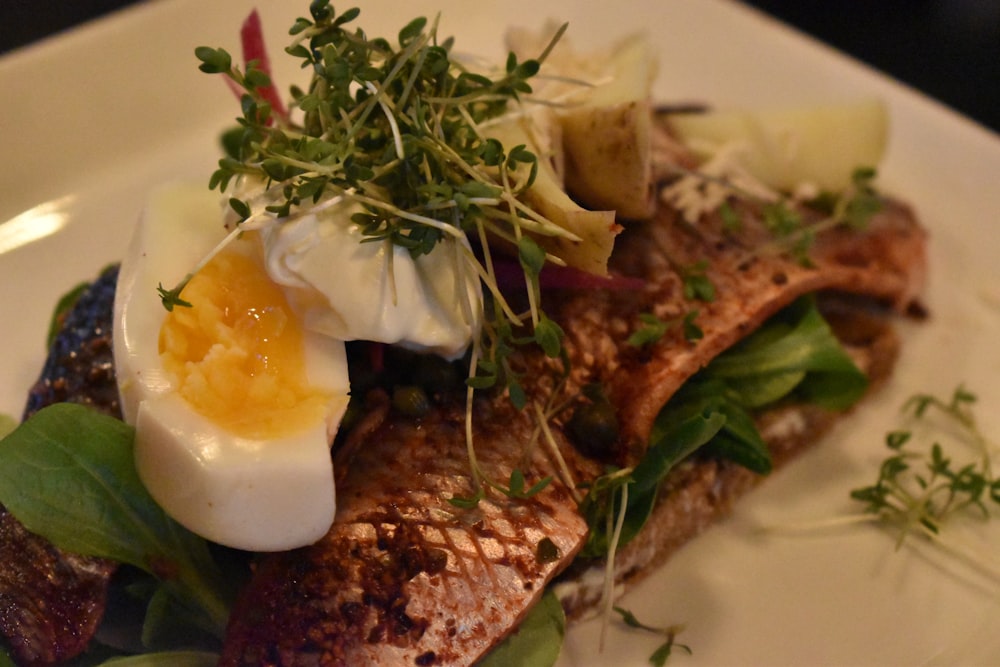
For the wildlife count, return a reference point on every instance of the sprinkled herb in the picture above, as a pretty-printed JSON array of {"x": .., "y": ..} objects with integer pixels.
[
  {"x": 401, "y": 130},
  {"x": 692, "y": 331},
  {"x": 172, "y": 298},
  {"x": 917, "y": 492},
  {"x": 793, "y": 233},
  {"x": 516, "y": 487},
  {"x": 731, "y": 221},
  {"x": 652, "y": 328},
  {"x": 661, "y": 654},
  {"x": 697, "y": 285}
]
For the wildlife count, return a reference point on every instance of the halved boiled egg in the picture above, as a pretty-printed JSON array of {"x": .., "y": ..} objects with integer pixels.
[{"x": 234, "y": 403}]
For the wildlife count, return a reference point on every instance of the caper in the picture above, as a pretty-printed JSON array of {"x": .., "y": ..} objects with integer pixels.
[
  {"x": 436, "y": 374},
  {"x": 593, "y": 428},
  {"x": 410, "y": 400}
]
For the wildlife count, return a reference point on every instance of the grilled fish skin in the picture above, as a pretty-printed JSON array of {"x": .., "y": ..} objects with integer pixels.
[
  {"x": 51, "y": 602},
  {"x": 404, "y": 576},
  {"x": 887, "y": 262}
]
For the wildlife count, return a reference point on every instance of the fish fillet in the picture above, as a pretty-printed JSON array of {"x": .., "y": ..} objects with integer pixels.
[{"x": 404, "y": 577}]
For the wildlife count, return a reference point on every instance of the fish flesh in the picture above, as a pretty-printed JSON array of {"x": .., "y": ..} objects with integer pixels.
[
  {"x": 886, "y": 261},
  {"x": 404, "y": 576}
]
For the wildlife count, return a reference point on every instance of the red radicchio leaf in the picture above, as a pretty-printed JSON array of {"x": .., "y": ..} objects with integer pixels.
[{"x": 254, "y": 49}]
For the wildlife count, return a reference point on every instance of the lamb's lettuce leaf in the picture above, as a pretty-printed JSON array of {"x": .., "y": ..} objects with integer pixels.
[
  {"x": 536, "y": 642},
  {"x": 793, "y": 355},
  {"x": 67, "y": 474},
  {"x": 795, "y": 352},
  {"x": 7, "y": 424},
  {"x": 166, "y": 659}
]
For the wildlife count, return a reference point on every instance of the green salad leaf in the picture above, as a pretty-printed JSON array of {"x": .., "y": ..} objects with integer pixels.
[
  {"x": 795, "y": 350},
  {"x": 536, "y": 642},
  {"x": 794, "y": 353},
  {"x": 7, "y": 424},
  {"x": 166, "y": 659},
  {"x": 68, "y": 451}
]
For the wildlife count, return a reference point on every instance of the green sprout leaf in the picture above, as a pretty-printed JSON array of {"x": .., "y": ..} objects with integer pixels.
[{"x": 70, "y": 451}]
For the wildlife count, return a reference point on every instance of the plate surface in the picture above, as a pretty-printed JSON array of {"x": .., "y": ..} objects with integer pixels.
[{"x": 93, "y": 119}]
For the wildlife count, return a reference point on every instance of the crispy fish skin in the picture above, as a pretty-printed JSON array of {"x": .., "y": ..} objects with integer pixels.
[
  {"x": 702, "y": 490},
  {"x": 404, "y": 577},
  {"x": 886, "y": 261},
  {"x": 52, "y": 601},
  {"x": 326, "y": 604}
]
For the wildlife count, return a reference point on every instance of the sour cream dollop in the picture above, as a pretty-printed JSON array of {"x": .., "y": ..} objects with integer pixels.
[{"x": 351, "y": 289}]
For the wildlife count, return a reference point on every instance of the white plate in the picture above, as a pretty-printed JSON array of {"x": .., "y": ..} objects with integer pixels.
[{"x": 91, "y": 120}]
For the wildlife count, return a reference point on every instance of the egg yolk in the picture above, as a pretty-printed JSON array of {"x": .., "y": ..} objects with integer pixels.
[{"x": 237, "y": 353}]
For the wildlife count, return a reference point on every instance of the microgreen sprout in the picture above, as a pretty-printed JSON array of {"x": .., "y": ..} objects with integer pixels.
[
  {"x": 652, "y": 329},
  {"x": 397, "y": 129},
  {"x": 400, "y": 129},
  {"x": 852, "y": 208},
  {"x": 917, "y": 492},
  {"x": 793, "y": 232},
  {"x": 663, "y": 652}
]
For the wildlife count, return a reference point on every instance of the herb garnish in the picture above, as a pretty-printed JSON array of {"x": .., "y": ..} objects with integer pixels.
[
  {"x": 917, "y": 492},
  {"x": 786, "y": 217},
  {"x": 852, "y": 208},
  {"x": 661, "y": 654},
  {"x": 697, "y": 285},
  {"x": 653, "y": 329},
  {"x": 793, "y": 353},
  {"x": 403, "y": 131}
]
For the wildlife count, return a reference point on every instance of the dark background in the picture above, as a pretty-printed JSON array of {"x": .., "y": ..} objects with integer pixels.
[{"x": 950, "y": 49}]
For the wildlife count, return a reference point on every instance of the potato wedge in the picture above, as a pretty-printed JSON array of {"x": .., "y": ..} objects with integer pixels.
[
  {"x": 606, "y": 125},
  {"x": 609, "y": 158},
  {"x": 595, "y": 231},
  {"x": 786, "y": 148}
]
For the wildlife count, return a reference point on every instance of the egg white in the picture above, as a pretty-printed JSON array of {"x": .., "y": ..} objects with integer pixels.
[{"x": 255, "y": 494}]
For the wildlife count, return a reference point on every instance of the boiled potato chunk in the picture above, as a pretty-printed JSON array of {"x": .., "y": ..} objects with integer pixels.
[
  {"x": 608, "y": 139},
  {"x": 594, "y": 231},
  {"x": 606, "y": 123},
  {"x": 785, "y": 148},
  {"x": 608, "y": 157}
]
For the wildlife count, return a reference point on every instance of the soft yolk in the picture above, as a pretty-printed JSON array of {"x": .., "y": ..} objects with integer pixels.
[{"x": 238, "y": 352}]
